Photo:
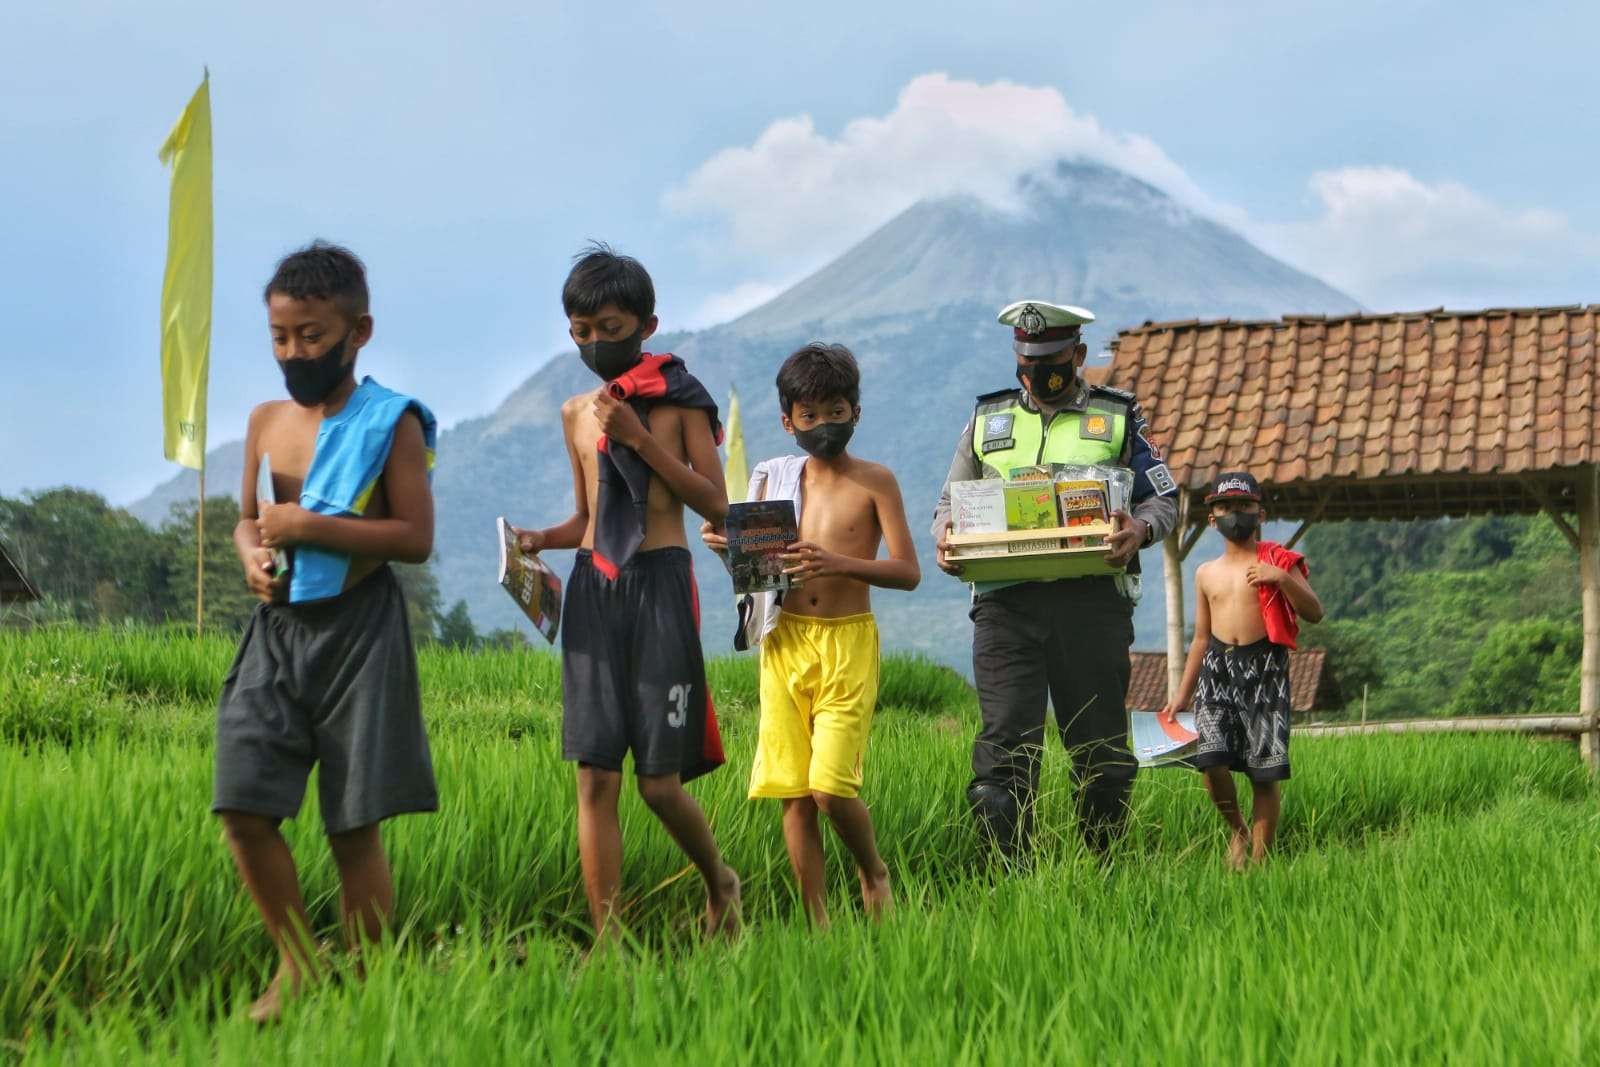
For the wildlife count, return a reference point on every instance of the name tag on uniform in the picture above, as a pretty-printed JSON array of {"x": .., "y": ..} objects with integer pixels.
[
  {"x": 1093, "y": 426},
  {"x": 997, "y": 433}
]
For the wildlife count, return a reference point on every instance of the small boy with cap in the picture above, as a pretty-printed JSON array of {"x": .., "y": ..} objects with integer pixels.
[{"x": 1237, "y": 675}]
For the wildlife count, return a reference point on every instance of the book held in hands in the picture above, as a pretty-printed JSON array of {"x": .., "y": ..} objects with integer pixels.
[
  {"x": 527, "y": 580},
  {"x": 759, "y": 532}
]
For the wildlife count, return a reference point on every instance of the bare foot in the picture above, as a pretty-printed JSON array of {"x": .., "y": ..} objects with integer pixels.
[
  {"x": 1238, "y": 852},
  {"x": 1258, "y": 855},
  {"x": 722, "y": 905},
  {"x": 877, "y": 896},
  {"x": 284, "y": 987}
]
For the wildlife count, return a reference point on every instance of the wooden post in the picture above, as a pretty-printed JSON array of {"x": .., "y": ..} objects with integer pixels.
[
  {"x": 1589, "y": 577},
  {"x": 1363, "y": 705},
  {"x": 200, "y": 559},
  {"x": 1173, "y": 553}
]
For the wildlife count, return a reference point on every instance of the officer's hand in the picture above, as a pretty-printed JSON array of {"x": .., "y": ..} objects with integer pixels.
[
  {"x": 941, "y": 547},
  {"x": 715, "y": 537},
  {"x": 1128, "y": 538}
]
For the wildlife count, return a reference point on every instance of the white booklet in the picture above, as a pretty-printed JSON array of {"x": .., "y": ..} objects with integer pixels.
[
  {"x": 266, "y": 495},
  {"x": 527, "y": 580},
  {"x": 1155, "y": 742}
]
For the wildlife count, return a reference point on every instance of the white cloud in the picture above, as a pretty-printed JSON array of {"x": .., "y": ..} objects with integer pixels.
[
  {"x": 729, "y": 304},
  {"x": 795, "y": 198},
  {"x": 1388, "y": 236},
  {"x": 798, "y": 194}
]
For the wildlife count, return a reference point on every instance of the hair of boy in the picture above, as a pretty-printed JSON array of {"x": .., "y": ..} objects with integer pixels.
[
  {"x": 816, "y": 373},
  {"x": 322, "y": 271},
  {"x": 601, "y": 276}
]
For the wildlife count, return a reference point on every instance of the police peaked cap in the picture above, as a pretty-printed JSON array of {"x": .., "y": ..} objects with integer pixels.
[{"x": 1039, "y": 328}]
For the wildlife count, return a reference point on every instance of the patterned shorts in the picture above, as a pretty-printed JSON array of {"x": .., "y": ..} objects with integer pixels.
[{"x": 1241, "y": 709}]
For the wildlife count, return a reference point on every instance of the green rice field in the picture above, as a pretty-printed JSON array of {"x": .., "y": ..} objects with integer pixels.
[{"x": 1433, "y": 899}]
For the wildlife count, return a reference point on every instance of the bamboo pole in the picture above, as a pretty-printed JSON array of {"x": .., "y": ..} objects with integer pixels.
[
  {"x": 1175, "y": 548},
  {"x": 200, "y": 559},
  {"x": 1569, "y": 725},
  {"x": 1589, "y": 578}
]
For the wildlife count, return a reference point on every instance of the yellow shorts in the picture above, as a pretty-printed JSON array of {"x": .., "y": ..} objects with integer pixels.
[{"x": 819, "y": 686}]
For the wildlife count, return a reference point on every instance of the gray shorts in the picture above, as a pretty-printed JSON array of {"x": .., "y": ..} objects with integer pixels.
[{"x": 333, "y": 682}]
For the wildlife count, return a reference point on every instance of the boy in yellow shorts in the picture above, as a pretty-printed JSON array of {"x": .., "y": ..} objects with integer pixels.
[{"x": 819, "y": 643}]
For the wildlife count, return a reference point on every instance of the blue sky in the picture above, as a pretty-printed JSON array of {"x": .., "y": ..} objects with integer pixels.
[{"x": 1413, "y": 153}]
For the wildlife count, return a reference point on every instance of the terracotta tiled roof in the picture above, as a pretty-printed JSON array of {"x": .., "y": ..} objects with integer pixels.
[
  {"x": 14, "y": 585},
  {"x": 1369, "y": 416},
  {"x": 1147, "y": 688}
]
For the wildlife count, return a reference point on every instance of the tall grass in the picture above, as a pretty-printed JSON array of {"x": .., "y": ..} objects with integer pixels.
[{"x": 1428, "y": 903}]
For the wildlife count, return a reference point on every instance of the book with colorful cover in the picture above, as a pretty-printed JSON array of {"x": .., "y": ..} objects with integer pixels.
[
  {"x": 1156, "y": 741},
  {"x": 759, "y": 532},
  {"x": 527, "y": 580}
]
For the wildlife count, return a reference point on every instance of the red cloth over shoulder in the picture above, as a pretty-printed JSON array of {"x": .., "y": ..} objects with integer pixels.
[{"x": 1276, "y": 611}]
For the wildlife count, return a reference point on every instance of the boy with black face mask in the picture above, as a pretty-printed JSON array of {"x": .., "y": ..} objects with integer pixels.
[
  {"x": 643, "y": 443},
  {"x": 1238, "y": 669},
  {"x": 325, "y": 672},
  {"x": 819, "y": 643}
]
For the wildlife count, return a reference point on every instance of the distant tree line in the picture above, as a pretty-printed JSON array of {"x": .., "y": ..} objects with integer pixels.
[
  {"x": 100, "y": 565},
  {"x": 1475, "y": 616}
]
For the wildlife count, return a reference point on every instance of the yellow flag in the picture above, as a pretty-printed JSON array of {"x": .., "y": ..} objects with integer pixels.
[
  {"x": 186, "y": 291},
  {"x": 736, "y": 471}
]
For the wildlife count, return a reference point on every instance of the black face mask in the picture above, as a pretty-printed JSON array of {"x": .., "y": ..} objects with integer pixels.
[
  {"x": 1047, "y": 381},
  {"x": 1237, "y": 526},
  {"x": 826, "y": 439},
  {"x": 311, "y": 380},
  {"x": 612, "y": 359}
]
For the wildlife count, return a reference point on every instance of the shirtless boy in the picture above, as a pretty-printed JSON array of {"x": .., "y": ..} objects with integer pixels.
[
  {"x": 819, "y": 646},
  {"x": 325, "y": 671},
  {"x": 1237, "y": 674},
  {"x": 642, "y": 444}
]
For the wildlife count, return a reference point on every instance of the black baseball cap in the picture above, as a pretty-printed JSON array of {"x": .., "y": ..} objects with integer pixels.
[{"x": 1234, "y": 485}]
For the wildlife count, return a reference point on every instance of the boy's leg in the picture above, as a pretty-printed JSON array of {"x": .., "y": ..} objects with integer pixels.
[
  {"x": 267, "y": 869},
  {"x": 600, "y": 844},
  {"x": 1264, "y": 809},
  {"x": 366, "y": 887},
  {"x": 681, "y": 815},
  {"x": 803, "y": 838},
  {"x": 1219, "y": 783},
  {"x": 854, "y": 826}
]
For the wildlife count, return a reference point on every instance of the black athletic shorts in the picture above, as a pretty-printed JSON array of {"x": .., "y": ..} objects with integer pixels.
[
  {"x": 1241, "y": 709},
  {"x": 633, "y": 677},
  {"x": 332, "y": 682}
]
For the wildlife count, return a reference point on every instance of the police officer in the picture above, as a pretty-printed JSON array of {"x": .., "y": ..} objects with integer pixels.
[{"x": 1067, "y": 638}]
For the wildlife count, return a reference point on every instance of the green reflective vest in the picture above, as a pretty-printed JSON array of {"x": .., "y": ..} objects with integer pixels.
[{"x": 1006, "y": 435}]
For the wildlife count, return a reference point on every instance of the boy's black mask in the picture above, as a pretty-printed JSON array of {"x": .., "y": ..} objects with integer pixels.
[
  {"x": 311, "y": 380},
  {"x": 612, "y": 359},
  {"x": 826, "y": 439},
  {"x": 1237, "y": 526}
]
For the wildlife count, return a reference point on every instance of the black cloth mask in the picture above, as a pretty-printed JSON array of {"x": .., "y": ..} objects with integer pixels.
[
  {"x": 1039, "y": 377},
  {"x": 612, "y": 359},
  {"x": 311, "y": 380},
  {"x": 1237, "y": 526},
  {"x": 826, "y": 439}
]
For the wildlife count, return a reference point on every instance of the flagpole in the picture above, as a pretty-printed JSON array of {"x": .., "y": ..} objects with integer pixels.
[{"x": 200, "y": 559}]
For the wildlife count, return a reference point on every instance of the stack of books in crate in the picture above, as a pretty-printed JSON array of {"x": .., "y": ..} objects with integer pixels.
[{"x": 1049, "y": 521}]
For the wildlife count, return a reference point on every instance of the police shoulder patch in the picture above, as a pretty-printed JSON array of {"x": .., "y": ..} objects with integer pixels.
[
  {"x": 999, "y": 394},
  {"x": 1120, "y": 394},
  {"x": 1161, "y": 480}
]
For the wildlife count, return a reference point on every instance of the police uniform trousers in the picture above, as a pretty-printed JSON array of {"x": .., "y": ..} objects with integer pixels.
[{"x": 1066, "y": 640}]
